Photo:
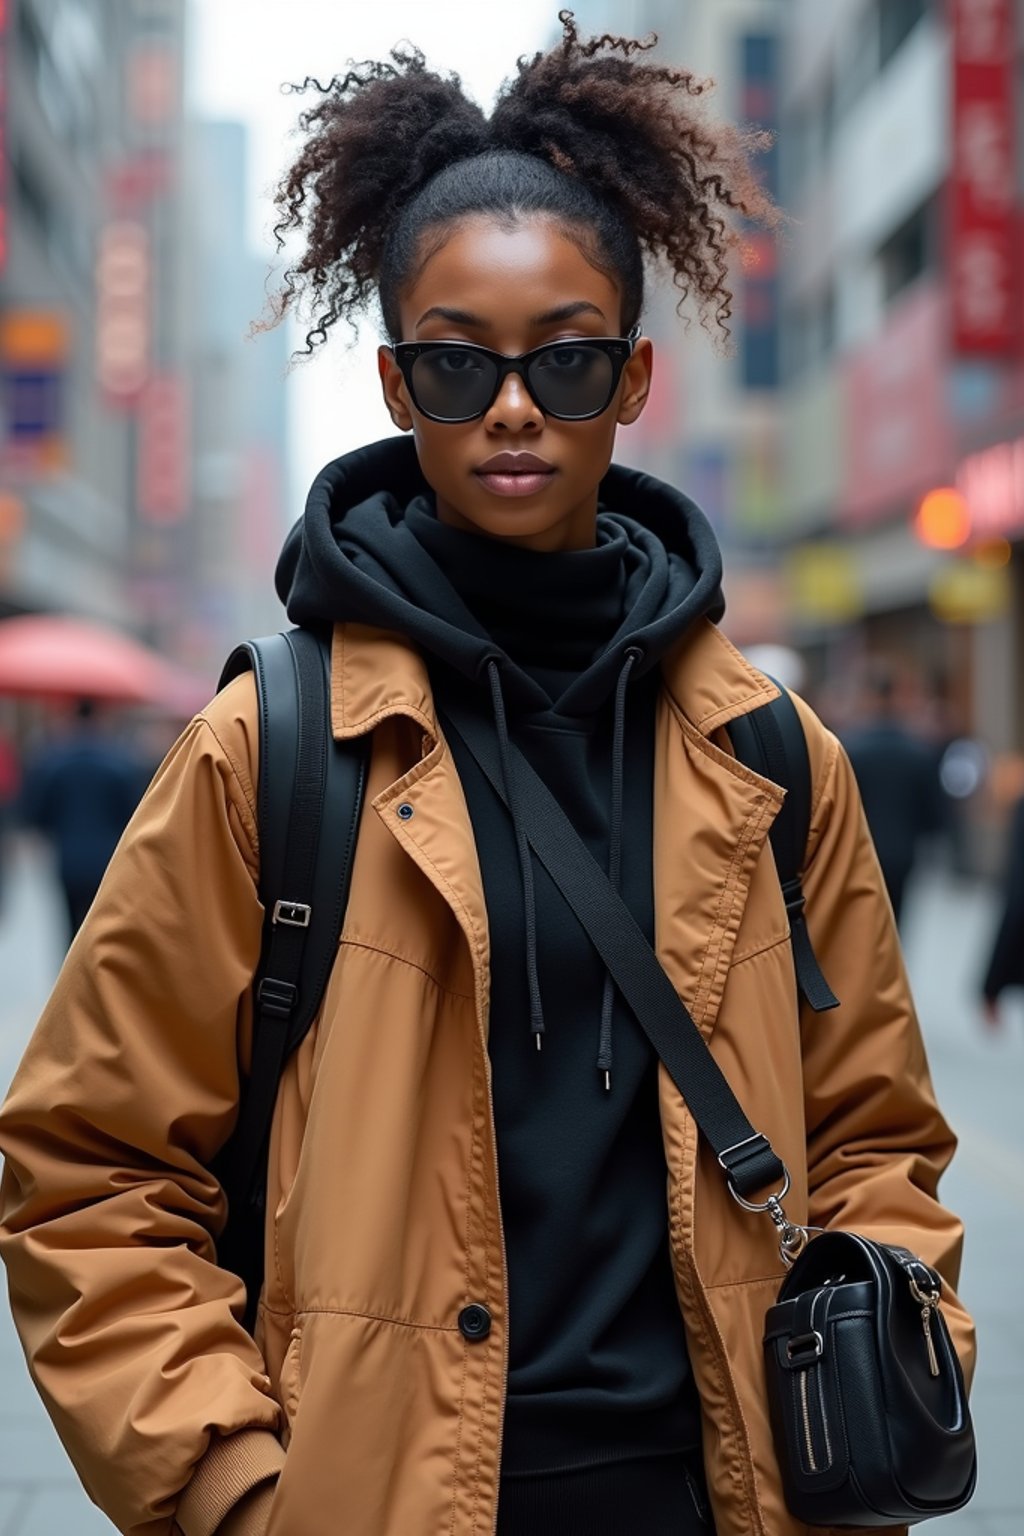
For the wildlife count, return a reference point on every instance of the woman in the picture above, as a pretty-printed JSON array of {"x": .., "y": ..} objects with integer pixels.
[{"x": 577, "y": 1355}]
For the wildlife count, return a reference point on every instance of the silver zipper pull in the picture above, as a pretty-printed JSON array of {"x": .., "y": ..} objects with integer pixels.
[
  {"x": 929, "y": 1301},
  {"x": 926, "y": 1319}
]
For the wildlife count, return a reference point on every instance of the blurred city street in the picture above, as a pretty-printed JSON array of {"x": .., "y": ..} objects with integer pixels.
[
  {"x": 978, "y": 1078},
  {"x": 839, "y": 389}
]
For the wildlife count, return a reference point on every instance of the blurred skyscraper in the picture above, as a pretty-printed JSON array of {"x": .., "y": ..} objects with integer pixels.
[
  {"x": 240, "y": 427},
  {"x": 142, "y": 440},
  {"x": 90, "y": 333}
]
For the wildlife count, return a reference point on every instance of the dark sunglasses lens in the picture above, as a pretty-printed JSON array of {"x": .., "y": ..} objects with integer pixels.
[
  {"x": 572, "y": 381},
  {"x": 452, "y": 383}
]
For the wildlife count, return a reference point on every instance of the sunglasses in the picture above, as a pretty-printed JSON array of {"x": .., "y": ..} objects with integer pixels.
[{"x": 574, "y": 380}]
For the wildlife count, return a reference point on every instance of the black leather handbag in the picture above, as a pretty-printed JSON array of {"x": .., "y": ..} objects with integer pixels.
[{"x": 867, "y": 1398}]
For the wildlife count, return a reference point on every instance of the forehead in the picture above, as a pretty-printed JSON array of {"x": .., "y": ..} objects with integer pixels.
[{"x": 508, "y": 274}]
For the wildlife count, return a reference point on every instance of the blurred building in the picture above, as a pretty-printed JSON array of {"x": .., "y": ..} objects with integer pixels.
[
  {"x": 90, "y": 203},
  {"x": 862, "y": 452},
  {"x": 903, "y": 326},
  {"x": 141, "y": 437},
  {"x": 239, "y": 419}
]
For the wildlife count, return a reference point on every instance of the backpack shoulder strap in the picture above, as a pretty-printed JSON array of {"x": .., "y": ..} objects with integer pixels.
[
  {"x": 309, "y": 801},
  {"x": 771, "y": 741}
]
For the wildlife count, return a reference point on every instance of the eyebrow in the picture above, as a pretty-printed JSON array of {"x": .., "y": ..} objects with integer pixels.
[{"x": 549, "y": 317}]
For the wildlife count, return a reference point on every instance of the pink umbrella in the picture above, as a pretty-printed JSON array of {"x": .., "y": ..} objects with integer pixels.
[{"x": 52, "y": 656}]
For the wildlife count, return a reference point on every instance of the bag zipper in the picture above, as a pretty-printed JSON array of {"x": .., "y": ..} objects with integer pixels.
[{"x": 808, "y": 1427}]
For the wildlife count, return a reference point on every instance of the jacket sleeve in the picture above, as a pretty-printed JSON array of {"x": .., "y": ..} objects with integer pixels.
[
  {"x": 876, "y": 1140},
  {"x": 1006, "y": 962},
  {"x": 108, "y": 1213}
]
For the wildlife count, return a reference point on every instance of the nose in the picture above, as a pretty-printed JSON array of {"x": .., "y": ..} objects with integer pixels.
[{"x": 514, "y": 409}]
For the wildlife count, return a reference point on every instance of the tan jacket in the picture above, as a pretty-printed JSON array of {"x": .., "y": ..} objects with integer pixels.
[{"x": 360, "y": 1390}]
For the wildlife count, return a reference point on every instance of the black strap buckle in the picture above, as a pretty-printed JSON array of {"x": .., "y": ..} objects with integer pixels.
[
  {"x": 793, "y": 896},
  {"x": 277, "y": 998}
]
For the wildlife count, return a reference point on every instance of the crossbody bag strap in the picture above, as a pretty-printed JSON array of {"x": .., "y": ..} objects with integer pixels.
[{"x": 745, "y": 1154}]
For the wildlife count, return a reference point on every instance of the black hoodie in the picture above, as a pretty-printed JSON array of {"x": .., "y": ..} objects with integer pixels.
[{"x": 560, "y": 653}]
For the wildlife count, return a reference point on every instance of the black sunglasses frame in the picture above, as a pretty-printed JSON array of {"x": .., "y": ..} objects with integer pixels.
[{"x": 618, "y": 350}]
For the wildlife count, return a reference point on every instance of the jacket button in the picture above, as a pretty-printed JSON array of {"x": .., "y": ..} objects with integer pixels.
[
  {"x": 405, "y": 810},
  {"x": 474, "y": 1322}
]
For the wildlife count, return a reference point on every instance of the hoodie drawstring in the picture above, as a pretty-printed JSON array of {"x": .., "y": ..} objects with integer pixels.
[
  {"x": 525, "y": 858},
  {"x": 632, "y": 656}
]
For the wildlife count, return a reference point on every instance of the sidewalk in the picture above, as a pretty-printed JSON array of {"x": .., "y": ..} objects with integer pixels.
[{"x": 978, "y": 1080}]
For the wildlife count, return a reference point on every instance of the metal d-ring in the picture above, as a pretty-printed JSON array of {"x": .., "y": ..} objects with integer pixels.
[
  {"x": 762, "y": 1205},
  {"x": 793, "y": 1239}
]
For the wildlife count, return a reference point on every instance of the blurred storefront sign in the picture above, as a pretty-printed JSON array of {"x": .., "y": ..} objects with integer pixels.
[
  {"x": 898, "y": 430},
  {"x": 992, "y": 485},
  {"x": 969, "y": 592},
  {"x": 162, "y": 488},
  {"x": 823, "y": 583},
  {"x": 153, "y": 84},
  {"x": 983, "y": 280},
  {"x": 123, "y": 282},
  {"x": 758, "y": 307},
  {"x": 34, "y": 345},
  {"x": 5, "y": 22},
  {"x": 138, "y": 179}
]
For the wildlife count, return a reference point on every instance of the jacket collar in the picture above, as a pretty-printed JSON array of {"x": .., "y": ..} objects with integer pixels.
[{"x": 376, "y": 673}]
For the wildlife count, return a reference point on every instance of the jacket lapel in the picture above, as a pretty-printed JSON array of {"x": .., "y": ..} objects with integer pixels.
[
  {"x": 711, "y": 816},
  {"x": 376, "y": 674}
]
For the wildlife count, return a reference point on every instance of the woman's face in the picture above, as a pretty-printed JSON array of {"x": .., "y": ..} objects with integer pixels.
[{"x": 513, "y": 289}]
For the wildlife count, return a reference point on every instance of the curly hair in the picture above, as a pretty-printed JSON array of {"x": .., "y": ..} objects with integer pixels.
[{"x": 612, "y": 146}]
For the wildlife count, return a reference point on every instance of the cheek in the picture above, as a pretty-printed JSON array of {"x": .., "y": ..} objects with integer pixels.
[
  {"x": 585, "y": 448},
  {"x": 440, "y": 449}
]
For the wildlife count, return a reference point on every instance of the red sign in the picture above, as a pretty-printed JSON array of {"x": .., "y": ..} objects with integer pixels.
[
  {"x": 898, "y": 433},
  {"x": 981, "y": 234},
  {"x": 992, "y": 484},
  {"x": 122, "y": 311},
  {"x": 163, "y": 480}
]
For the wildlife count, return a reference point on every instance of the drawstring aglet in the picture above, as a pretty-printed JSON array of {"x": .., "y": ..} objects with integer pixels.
[
  {"x": 538, "y": 1037},
  {"x": 607, "y": 1082}
]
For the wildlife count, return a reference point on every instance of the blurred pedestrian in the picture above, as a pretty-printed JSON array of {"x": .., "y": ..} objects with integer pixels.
[
  {"x": 1006, "y": 962},
  {"x": 898, "y": 779},
  {"x": 430, "y": 1354},
  {"x": 79, "y": 791}
]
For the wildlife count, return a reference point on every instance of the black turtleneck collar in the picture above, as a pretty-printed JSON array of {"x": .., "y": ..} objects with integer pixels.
[{"x": 549, "y": 612}]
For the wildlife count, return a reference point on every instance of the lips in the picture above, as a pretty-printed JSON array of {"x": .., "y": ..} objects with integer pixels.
[{"x": 515, "y": 474}]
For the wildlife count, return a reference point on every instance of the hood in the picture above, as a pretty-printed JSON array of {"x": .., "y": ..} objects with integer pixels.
[
  {"x": 363, "y": 552},
  {"x": 354, "y": 557}
]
